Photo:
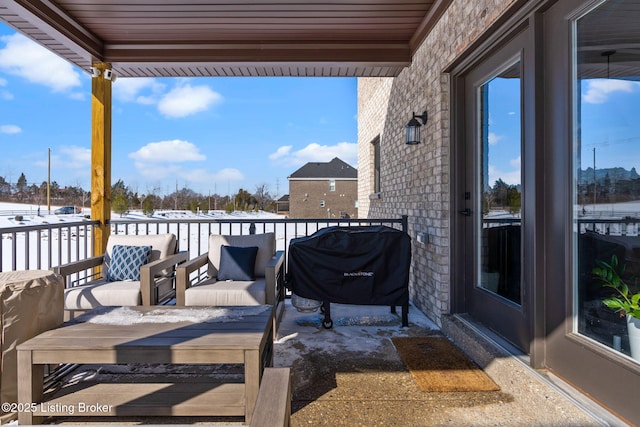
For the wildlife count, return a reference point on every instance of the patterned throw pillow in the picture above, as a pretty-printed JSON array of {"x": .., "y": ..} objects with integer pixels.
[{"x": 126, "y": 262}]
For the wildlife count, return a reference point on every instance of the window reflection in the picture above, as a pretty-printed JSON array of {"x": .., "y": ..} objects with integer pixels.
[
  {"x": 500, "y": 192},
  {"x": 606, "y": 180}
]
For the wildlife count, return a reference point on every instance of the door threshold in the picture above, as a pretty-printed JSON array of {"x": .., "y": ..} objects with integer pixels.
[{"x": 473, "y": 337}]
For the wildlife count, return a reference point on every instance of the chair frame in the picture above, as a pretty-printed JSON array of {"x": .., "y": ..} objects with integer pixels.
[
  {"x": 274, "y": 282},
  {"x": 147, "y": 272}
]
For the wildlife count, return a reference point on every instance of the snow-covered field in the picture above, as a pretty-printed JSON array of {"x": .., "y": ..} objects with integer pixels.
[
  {"x": 61, "y": 240},
  {"x": 37, "y": 215}
]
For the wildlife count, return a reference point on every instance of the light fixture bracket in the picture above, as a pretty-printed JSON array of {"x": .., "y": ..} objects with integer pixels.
[{"x": 422, "y": 117}]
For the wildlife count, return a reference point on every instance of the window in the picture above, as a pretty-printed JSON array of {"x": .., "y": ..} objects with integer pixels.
[
  {"x": 499, "y": 262},
  {"x": 376, "y": 164},
  {"x": 322, "y": 204},
  {"x": 332, "y": 185},
  {"x": 606, "y": 185}
]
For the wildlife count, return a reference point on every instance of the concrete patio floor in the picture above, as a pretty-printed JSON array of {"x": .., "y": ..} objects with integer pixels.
[{"x": 351, "y": 375}]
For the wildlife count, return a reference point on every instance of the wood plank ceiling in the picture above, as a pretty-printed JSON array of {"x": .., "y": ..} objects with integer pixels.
[{"x": 173, "y": 38}]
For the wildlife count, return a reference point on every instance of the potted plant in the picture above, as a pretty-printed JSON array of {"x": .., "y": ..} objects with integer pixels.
[{"x": 624, "y": 301}]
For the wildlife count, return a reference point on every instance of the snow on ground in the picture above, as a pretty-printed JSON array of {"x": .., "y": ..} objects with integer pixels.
[
  {"x": 62, "y": 245},
  {"x": 38, "y": 214},
  {"x": 355, "y": 328},
  {"x": 128, "y": 316}
]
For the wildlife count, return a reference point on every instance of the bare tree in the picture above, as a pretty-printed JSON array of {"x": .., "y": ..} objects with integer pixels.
[{"x": 262, "y": 196}]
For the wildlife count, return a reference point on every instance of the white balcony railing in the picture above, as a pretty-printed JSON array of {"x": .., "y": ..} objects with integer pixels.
[{"x": 50, "y": 245}]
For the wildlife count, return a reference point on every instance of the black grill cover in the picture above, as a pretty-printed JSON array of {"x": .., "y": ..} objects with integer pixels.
[{"x": 351, "y": 265}]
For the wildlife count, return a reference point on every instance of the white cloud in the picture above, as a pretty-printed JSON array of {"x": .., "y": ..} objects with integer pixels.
[
  {"x": 516, "y": 162},
  {"x": 6, "y": 95},
  {"x": 76, "y": 157},
  {"x": 345, "y": 151},
  {"x": 143, "y": 90},
  {"x": 160, "y": 160},
  {"x": 174, "y": 151},
  {"x": 69, "y": 161},
  {"x": 10, "y": 129},
  {"x": 186, "y": 100},
  {"x": 598, "y": 90},
  {"x": 27, "y": 59},
  {"x": 205, "y": 176},
  {"x": 164, "y": 159},
  {"x": 493, "y": 138},
  {"x": 281, "y": 152},
  {"x": 512, "y": 177},
  {"x": 181, "y": 101}
]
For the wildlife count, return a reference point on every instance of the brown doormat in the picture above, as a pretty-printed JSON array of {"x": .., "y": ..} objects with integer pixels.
[{"x": 438, "y": 365}]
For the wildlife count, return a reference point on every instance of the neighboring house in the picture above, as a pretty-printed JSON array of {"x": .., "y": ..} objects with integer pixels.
[
  {"x": 324, "y": 190},
  {"x": 282, "y": 205}
]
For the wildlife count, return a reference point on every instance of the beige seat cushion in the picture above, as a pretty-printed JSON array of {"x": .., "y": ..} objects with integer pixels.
[
  {"x": 266, "y": 244},
  {"x": 122, "y": 293},
  {"x": 229, "y": 292},
  {"x": 102, "y": 293}
]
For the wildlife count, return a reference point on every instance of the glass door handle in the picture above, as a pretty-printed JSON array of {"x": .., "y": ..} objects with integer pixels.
[{"x": 466, "y": 212}]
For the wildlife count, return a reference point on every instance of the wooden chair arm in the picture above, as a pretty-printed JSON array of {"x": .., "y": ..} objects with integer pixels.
[
  {"x": 183, "y": 272},
  {"x": 78, "y": 266},
  {"x": 149, "y": 271},
  {"x": 155, "y": 267},
  {"x": 273, "y": 270}
]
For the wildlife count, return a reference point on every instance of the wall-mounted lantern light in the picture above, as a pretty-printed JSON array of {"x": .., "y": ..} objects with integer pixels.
[{"x": 413, "y": 128}]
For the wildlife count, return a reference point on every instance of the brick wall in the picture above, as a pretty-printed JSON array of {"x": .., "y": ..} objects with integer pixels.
[
  {"x": 415, "y": 179},
  {"x": 305, "y": 197}
]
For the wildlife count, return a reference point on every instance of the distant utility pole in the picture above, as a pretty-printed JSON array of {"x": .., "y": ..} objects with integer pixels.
[
  {"x": 594, "y": 180},
  {"x": 49, "y": 182},
  {"x": 176, "y": 199}
]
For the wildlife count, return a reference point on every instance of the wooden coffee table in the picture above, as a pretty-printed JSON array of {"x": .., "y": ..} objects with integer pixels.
[{"x": 149, "y": 335}]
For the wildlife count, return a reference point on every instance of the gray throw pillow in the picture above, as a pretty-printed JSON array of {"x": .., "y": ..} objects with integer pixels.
[{"x": 237, "y": 263}]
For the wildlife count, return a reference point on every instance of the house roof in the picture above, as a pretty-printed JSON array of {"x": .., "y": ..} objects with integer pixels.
[
  {"x": 284, "y": 198},
  {"x": 335, "y": 169},
  {"x": 172, "y": 38}
]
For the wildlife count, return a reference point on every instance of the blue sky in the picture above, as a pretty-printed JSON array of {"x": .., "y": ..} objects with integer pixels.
[
  {"x": 504, "y": 137},
  {"x": 207, "y": 134},
  {"x": 608, "y": 122}
]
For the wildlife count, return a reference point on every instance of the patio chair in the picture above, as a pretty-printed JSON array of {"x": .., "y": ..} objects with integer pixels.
[
  {"x": 241, "y": 270},
  {"x": 134, "y": 270}
]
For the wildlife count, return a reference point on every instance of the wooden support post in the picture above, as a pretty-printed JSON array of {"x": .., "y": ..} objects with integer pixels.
[
  {"x": 252, "y": 376},
  {"x": 101, "y": 156}
]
